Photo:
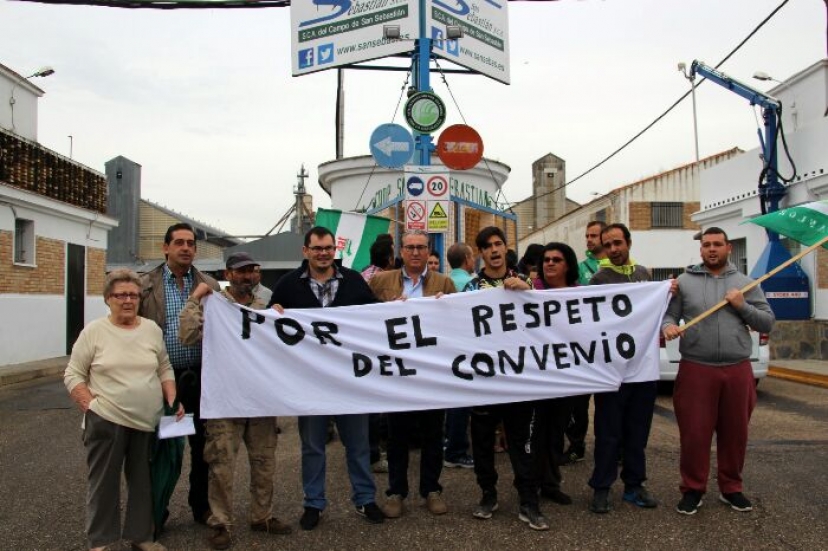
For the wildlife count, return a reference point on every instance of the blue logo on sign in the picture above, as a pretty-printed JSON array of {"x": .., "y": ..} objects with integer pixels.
[
  {"x": 325, "y": 53},
  {"x": 437, "y": 37},
  {"x": 340, "y": 7},
  {"x": 306, "y": 58},
  {"x": 415, "y": 186},
  {"x": 453, "y": 47}
]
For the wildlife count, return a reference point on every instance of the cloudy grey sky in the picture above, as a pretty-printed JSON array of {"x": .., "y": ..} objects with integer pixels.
[{"x": 204, "y": 100}]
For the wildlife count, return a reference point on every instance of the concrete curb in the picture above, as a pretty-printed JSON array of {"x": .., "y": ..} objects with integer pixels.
[
  {"x": 20, "y": 373},
  {"x": 798, "y": 376}
]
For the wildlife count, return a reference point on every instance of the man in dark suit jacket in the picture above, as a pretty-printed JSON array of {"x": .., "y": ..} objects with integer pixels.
[{"x": 320, "y": 283}]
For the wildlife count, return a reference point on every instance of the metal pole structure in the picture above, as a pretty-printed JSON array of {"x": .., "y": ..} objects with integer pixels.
[
  {"x": 71, "y": 145},
  {"x": 422, "y": 54},
  {"x": 340, "y": 112},
  {"x": 695, "y": 118},
  {"x": 423, "y": 142}
]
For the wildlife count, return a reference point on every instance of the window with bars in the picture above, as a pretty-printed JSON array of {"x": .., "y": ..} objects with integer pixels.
[
  {"x": 24, "y": 241},
  {"x": 667, "y": 215},
  {"x": 660, "y": 274},
  {"x": 738, "y": 254}
]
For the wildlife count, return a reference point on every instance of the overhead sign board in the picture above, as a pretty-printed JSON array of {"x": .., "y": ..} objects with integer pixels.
[
  {"x": 331, "y": 33},
  {"x": 425, "y": 112},
  {"x": 391, "y": 145},
  {"x": 460, "y": 147},
  {"x": 484, "y": 46}
]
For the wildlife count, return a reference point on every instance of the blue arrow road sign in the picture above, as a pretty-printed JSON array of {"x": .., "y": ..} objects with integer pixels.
[{"x": 391, "y": 145}]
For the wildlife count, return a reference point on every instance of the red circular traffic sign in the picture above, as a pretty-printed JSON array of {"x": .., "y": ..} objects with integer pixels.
[
  {"x": 460, "y": 147},
  {"x": 437, "y": 186}
]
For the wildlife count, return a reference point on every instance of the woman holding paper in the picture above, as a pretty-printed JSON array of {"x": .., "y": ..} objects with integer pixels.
[
  {"x": 558, "y": 269},
  {"x": 118, "y": 375}
]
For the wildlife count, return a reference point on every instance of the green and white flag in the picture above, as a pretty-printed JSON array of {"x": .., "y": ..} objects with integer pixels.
[
  {"x": 355, "y": 233},
  {"x": 807, "y": 223}
]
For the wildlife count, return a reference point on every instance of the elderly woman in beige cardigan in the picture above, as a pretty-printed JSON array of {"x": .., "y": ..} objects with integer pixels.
[{"x": 119, "y": 375}]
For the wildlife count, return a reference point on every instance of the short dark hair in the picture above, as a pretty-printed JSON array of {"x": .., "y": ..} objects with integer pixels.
[
  {"x": 320, "y": 232},
  {"x": 382, "y": 253},
  {"x": 531, "y": 258},
  {"x": 716, "y": 230},
  {"x": 617, "y": 226},
  {"x": 487, "y": 233},
  {"x": 572, "y": 273},
  {"x": 596, "y": 223},
  {"x": 174, "y": 228},
  {"x": 456, "y": 255}
]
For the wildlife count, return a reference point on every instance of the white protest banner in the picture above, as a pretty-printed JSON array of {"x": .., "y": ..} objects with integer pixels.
[{"x": 466, "y": 349}]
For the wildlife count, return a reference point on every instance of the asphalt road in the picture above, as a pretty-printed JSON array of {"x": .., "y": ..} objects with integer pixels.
[{"x": 42, "y": 491}]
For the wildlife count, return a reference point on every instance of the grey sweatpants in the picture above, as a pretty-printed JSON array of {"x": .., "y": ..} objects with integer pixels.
[{"x": 109, "y": 449}]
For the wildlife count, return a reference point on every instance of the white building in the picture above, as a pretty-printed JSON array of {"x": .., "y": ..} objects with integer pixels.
[
  {"x": 657, "y": 211},
  {"x": 53, "y": 235},
  {"x": 729, "y": 197}
]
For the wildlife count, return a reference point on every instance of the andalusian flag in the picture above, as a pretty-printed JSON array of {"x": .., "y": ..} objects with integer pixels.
[
  {"x": 806, "y": 223},
  {"x": 355, "y": 233}
]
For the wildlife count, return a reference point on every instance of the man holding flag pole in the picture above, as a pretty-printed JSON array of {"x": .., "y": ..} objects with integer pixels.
[{"x": 714, "y": 388}]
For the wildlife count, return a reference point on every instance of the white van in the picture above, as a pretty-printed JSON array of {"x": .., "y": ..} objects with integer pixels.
[{"x": 670, "y": 357}]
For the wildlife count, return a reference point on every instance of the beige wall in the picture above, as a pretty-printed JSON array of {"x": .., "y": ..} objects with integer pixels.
[{"x": 154, "y": 224}]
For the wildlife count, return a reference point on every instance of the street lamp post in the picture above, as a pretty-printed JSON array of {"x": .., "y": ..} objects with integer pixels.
[
  {"x": 42, "y": 72},
  {"x": 682, "y": 67}
]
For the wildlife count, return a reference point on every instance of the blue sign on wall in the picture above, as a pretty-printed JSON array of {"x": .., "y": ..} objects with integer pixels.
[{"x": 391, "y": 145}]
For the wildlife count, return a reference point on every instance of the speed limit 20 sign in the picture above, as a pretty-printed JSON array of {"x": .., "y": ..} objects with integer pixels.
[{"x": 437, "y": 186}]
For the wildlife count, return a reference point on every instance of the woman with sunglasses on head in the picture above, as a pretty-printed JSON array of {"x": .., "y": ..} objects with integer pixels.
[
  {"x": 558, "y": 269},
  {"x": 120, "y": 376}
]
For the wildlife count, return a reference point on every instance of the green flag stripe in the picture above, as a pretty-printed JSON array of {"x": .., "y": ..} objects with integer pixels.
[{"x": 806, "y": 223}]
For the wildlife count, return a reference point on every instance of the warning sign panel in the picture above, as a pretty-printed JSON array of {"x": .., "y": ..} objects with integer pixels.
[
  {"x": 438, "y": 218},
  {"x": 415, "y": 215}
]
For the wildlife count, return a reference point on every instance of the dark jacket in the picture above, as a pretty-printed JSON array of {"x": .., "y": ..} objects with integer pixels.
[
  {"x": 153, "y": 303},
  {"x": 292, "y": 291}
]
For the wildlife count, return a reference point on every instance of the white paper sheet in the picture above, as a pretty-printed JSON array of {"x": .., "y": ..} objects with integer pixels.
[{"x": 170, "y": 428}]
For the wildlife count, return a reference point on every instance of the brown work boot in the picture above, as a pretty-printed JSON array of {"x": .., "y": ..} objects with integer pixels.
[
  {"x": 272, "y": 526},
  {"x": 219, "y": 537},
  {"x": 435, "y": 503},
  {"x": 393, "y": 506}
]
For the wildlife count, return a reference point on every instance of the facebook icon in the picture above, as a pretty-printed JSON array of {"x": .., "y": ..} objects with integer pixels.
[{"x": 306, "y": 58}]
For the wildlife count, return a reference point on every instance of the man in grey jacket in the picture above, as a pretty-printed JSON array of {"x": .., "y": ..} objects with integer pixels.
[{"x": 714, "y": 389}]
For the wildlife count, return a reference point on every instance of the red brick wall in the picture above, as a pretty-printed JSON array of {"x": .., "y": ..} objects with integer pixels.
[
  {"x": 46, "y": 278},
  {"x": 95, "y": 271}
]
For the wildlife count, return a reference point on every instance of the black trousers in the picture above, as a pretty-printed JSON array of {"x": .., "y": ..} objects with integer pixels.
[
  {"x": 188, "y": 383},
  {"x": 551, "y": 419},
  {"x": 400, "y": 427},
  {"x": 622, "y": 422},
  {"x": 518, "y": 422},
  {"x": 579, "y": 425}
]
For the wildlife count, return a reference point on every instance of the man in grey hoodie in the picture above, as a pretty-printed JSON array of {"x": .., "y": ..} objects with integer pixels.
[{"x": 714, "y": 389}]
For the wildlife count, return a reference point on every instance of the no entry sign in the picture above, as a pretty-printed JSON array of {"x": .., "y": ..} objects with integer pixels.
[{"x": 460, "y": 147}]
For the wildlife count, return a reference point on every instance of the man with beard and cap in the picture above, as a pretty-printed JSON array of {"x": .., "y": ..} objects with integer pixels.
[
  {"x": 224, "y": 436},
  {"x": 715, "y": 389}
]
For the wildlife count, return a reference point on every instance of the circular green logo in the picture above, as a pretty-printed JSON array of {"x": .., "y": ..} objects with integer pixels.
[{"x": 425, "y": 112}]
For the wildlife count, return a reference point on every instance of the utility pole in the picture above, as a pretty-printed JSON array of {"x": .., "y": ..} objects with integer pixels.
[{"x": 299, "y": 207}]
